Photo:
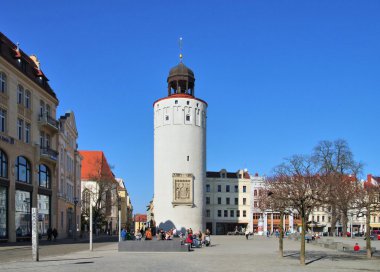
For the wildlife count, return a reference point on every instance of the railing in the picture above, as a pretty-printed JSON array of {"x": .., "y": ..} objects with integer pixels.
[
  {"x": 48, "y": 120},
  {"x": 50, "y": 153}
]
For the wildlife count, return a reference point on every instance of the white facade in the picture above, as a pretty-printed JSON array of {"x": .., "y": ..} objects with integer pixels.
[{"x": 179, "y": 153}]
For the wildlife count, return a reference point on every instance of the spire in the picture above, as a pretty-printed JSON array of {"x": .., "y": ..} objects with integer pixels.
[{"x": 180, "y": 49}]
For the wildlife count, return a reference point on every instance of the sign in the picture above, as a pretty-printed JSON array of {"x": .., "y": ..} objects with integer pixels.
[
  {"x": 7, "y": 139},
  {"x": 182, "y": 189},
  {"x": 35, "y": 254}
]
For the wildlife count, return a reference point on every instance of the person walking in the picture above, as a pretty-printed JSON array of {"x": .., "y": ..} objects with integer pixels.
[
  {"x": 55, "y": 233},
  {"x": 246, "y": 233},
  {"x": 49, "y": 233}
]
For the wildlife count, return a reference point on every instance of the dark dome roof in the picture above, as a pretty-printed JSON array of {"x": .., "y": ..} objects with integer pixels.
[{"x": 181, "y": 70}]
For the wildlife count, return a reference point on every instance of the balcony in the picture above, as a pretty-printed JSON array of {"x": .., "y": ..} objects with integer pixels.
[
  {"x": 48, "y": 122},
  {"x": 48, "y": 154}
]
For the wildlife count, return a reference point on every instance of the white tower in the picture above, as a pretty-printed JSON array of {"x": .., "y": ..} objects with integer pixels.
[{"x": 179, "y": 154}]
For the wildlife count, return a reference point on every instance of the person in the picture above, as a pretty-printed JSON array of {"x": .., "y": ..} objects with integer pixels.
[
  {"x": 123, "y": 234},
  {"x": 55, "y": 233},
  {"x": 148, "y": 234},
  {"x": 356, "y": 247},
  {"x": 138, "y": 235},
  {"x": 49, "y": 233},
  {"x": 189, "y": 239},
  {"x": 268, "y": 233},
  {"x": 246, "y": 233}
]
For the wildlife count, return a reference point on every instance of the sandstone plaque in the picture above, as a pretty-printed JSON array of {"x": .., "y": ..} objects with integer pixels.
[{"x": 183, "y": 189}]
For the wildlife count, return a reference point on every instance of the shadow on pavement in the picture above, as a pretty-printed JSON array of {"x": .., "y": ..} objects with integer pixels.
[
  {"x": 76, "y": 259},
  {"x": 314, "y": 256}
]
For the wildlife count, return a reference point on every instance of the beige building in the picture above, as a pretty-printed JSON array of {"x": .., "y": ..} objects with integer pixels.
[
  {"x": 69, "y": 178},
  {"x": 125, "y": 205},
  {"x": 28, "y": 144},
  {"x": 228, "y": 201}
]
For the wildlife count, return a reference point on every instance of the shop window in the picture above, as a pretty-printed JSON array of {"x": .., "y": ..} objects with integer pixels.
[{"x": 22, "y": 214}]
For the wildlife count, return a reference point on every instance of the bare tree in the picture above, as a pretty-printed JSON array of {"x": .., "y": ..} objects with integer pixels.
[
  {"x": 367, "y": 204},
  {"x": 270, "y": 199},
  {"x": 338, "y": 170},
  {"x": 298, "y": 187},
  {"x": 100, "y": 193}
]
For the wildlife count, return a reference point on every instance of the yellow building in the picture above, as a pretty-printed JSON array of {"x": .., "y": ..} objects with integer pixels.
[{"x": 28, "y": 144}]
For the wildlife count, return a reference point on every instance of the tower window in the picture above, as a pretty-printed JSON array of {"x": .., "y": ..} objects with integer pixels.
[
  {"x": 188, "y": 102},
  {"x": 197, "y": 104},
  {"x": 167, "y": 117},
  {"x": 187, "y": 117},
  {"x": 176, "y": 101},
  {"x": 188, "y": 158}
]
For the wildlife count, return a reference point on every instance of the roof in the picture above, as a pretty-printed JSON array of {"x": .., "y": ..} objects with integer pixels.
[
  {"x": 95, "y": 166},
  {"x": 230, "y": 175},
  {"x": 187, "y": 96},
  {"x": 140, "y": 217},
  {"x": 10, "y": 52},
  {"x": 181, "y": 70}
]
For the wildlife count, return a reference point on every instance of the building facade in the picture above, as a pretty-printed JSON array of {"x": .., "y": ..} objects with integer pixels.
[
  {"x": 179, "y": 154},
  {"x": 99, "y": 190},
  {"x": 227, "y": 201},
  {"x": 28, "y": 144},
  {"x": 69, "y": 178},
  {"x": 125, "y": 205}
]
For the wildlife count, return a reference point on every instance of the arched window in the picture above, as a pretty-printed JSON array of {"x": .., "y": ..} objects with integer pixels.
[
  {"x": 3, "y": 165},
  {"x": 22, "y": 170},
  {"x": 20, "y": 95},
  {"x": 44, "y": 176},
  {"x": 3, "y": 82}
]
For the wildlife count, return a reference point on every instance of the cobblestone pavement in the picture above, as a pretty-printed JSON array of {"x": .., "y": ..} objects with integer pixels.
[{"x": 227, "y": 253}]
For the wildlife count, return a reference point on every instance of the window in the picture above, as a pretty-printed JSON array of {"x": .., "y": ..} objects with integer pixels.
[
  {"x": 219, "y": 213},
  {"x": 227, "y": 200},
  {"x": 232, "y": 213},
  {"x": 44, "y": 176},
  {"x": 27, "y": 133},
  {"x": 323, "y": 218},
  {"x": 207, "y": 200},
  {"x": 22, "y": 213},
  {"x": 237, "y": 213},
  {"x": 219, "y": 188},
  {"x": 3, "y": 214},
  {"x": 208, "y": 213},
  {"x": 317, "y": 218},
  {"x": 244, "y": 201},
  {"x": 3, "y": 82},
  {"x": 223, "y": 175},
  {"x": 255, "y": 192},
  {"x": 20, "y": 129},
  {"x": 166, "y": 117},
  {"x": 244, "y": 213},
  {"x": 42, "y": 139},
  {"x": 225, "y": 213},
  {"x": 244, "y": 189},
  {"x": 3, "y": 165},
  {"x": 236, "y": 188},
  {"x": 22, "y": 170},
  {"x": 255, "y": 204},
  {"x": 176, "y": 102},
  {"x": 236, "y": 201},
  {"x": 20, "y": 95},
  {"x": 227, "y": 188},
  {"x": 3, "y": 120},
  {"x": 207, "y": 188},
  {"x": 43, "y": 213},
  {"x": 42, "y": 108},
  {"x": 47, "y": 110},
  {"x": 188, "y": 118},
  {"x": 219, "y": 200},
  {"x": 27, "y": 99}
]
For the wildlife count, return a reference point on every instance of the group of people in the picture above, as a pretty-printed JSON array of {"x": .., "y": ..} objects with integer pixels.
[
  {"x": 197, "y": 239},
  {"x": 51, "y": 232}
]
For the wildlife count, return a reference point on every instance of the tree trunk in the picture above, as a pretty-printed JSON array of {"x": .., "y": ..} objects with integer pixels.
[
  {"x": 303, "y": 232},
  {"x": 368, "y": 234},
  {"x": 281, "y": 238},
  {"x": 333, "y": 220},
  {"x": 344, "y": 223}
]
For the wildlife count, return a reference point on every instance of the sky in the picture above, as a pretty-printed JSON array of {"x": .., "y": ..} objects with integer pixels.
[{"x": 278, "y": 76}]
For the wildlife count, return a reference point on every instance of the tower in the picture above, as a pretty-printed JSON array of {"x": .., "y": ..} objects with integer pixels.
[{"x": 179, "y": 154}]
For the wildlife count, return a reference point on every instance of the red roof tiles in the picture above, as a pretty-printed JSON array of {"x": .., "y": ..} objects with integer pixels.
[{"x": 95, "y": 166}]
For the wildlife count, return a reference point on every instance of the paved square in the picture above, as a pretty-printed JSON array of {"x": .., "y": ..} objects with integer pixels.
[{"x": 228, "y": 253}]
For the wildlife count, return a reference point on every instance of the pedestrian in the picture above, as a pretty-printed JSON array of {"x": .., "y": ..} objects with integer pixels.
[
  {"x": 246, "y": 233},
  {"x": 123, "y": 234},
  {"x": 356, "y": 247},
  {"x": 55, "y": 233},
  {"x": 49, "y": 233},
  {"x": 268, "y": 233}
]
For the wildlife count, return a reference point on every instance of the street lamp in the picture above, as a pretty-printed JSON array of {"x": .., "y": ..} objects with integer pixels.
[
  {"x": 352, "y": 235},
  {"x": 75, "y": 217},
  {"x": 119, "y": 216}
]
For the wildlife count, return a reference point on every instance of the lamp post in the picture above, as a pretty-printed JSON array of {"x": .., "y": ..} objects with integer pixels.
[
  {"x": 75, "y": 217},
  {"x": 352, "y": 235},
  {"x": 119, "y": 216}
]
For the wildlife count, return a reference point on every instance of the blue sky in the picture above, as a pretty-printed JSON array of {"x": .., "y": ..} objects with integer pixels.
[{"x": 279, "y": 76}]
